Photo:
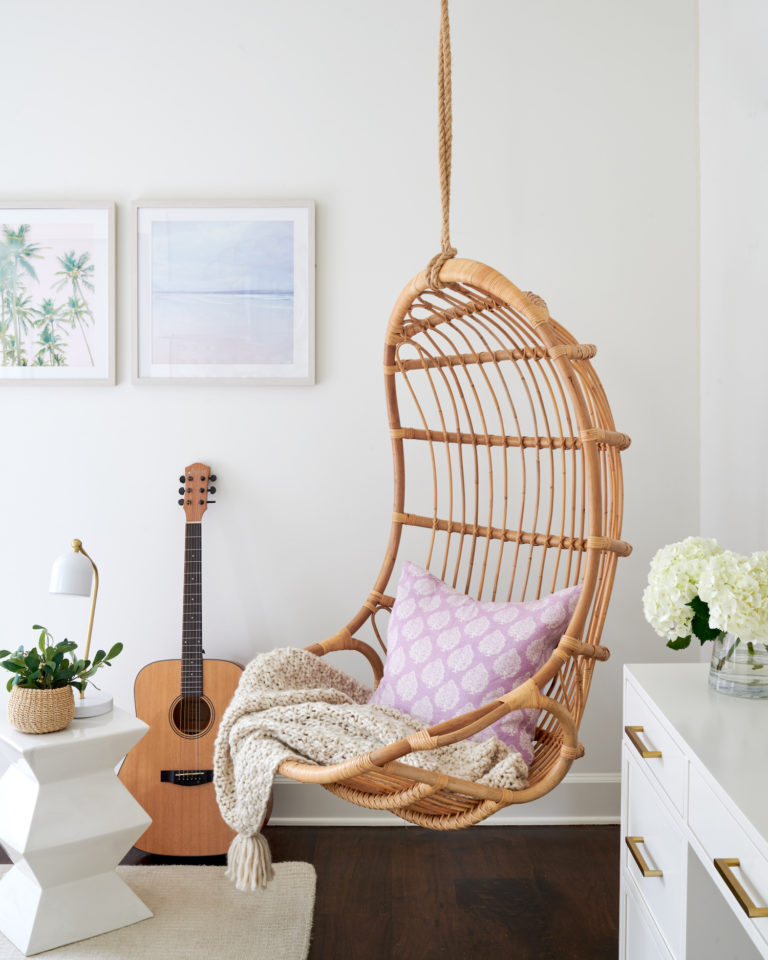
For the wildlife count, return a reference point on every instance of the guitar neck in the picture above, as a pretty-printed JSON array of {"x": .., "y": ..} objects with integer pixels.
[{"x": 192, "y": 622}]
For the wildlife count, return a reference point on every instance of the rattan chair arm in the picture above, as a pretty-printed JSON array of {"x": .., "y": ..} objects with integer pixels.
[
  {"x": 343, "y": 640},
  {"x": 527, "y": 695},
  {"x": 307, "y": 772}
]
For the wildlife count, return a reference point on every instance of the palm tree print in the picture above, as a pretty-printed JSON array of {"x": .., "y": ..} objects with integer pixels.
[
  {"x": 79, "y": 313},
  {"x": 36, "y": 327},
  {"x": 78, "y": 272},
  {"x": 50, "y": 346},
  {"x": 19, "y": 324},
  {"x": 16, "y": 256}
]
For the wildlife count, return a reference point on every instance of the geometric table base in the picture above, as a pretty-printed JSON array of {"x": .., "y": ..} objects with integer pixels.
[
  {"x": 34, "y": 919},
  {"x": 66, "y": 821}
]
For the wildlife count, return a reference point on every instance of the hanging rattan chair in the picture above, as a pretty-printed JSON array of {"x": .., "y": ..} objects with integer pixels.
[{"x": 514, "y": 490}]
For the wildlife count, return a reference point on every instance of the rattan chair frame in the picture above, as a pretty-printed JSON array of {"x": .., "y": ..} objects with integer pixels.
[{"x": 457, "y": 353}]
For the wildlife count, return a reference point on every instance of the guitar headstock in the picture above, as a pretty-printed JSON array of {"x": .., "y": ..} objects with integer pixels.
[{"x": 196, "y": 480}]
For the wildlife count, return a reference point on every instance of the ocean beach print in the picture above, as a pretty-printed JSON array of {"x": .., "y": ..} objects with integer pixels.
[{"x": 222, "y": 292}]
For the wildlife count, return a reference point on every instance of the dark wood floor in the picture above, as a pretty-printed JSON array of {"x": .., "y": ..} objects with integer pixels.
[{"x": 544, "y": 893}]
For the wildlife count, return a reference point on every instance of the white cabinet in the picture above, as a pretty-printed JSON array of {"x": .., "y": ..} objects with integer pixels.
[{"x": 694, "y": 847}]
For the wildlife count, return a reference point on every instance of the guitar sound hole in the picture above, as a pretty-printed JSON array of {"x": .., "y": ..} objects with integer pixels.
[{"x": 191, "y": 716}]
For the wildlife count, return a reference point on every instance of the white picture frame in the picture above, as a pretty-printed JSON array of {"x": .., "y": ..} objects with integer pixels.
[
  {"x": 224, "y": 292},
  {"x": 57, "y": 292}
]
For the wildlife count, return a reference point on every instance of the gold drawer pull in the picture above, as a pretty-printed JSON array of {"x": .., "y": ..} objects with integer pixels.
[
  {"x": 637, "y": 743},
  {"x": 639, "y": 859},
  {"x": 723, "y": 866}
]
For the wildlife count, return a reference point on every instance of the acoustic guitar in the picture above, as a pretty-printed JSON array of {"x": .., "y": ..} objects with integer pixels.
[{"x": 170, "y": 771}]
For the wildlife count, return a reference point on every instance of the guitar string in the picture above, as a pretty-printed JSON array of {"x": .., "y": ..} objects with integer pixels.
[
  {"x": 199, "y": 643},
  {"x": 185, "y": 632},
  {"x": 192, "y": 640}
]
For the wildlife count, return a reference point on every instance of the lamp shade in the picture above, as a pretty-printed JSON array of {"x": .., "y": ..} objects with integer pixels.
[{"x": 72, "y": 573}]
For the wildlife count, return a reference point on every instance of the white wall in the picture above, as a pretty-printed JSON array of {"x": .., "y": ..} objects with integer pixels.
[
  {"x": 734, "y": 272},
  {"x": 575, "y": 174}
]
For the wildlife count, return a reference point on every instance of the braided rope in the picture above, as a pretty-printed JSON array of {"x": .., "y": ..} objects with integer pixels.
[{"x": 445, "y": 139}]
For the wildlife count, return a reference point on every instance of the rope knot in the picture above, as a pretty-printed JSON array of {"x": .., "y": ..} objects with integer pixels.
[{"x": 435, "y": 265}]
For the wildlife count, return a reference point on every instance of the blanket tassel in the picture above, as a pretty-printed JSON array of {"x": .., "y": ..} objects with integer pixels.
[{"x": 249, "y": 862}]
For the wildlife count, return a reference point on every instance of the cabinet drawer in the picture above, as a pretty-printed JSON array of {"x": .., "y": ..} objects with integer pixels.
[
  {"x": 641, "y": 940},
  {"x": 660, "y": 843},
  {"x": 722, "y": 837},
  {"x": 670, "y": 770}
]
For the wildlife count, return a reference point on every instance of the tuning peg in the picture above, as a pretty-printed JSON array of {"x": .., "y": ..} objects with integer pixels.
[
  {"x": 181, "y": 502},
  {"x": 211, "y": 489},
  {"x": 182, "y": 490},
  {"x": 212, "y": 478}
]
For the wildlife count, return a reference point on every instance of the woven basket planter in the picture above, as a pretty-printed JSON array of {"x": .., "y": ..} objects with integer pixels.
[{"x": 41, "y": 711}]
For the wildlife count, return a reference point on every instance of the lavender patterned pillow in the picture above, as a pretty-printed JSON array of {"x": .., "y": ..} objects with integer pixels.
[{"x": 448, "y": 653}]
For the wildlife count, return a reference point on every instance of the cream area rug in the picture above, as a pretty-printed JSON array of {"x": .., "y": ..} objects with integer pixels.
[{"x": 199, "y": 913}]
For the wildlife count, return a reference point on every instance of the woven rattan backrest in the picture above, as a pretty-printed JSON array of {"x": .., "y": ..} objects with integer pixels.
[{"x": 507, "y": 465}]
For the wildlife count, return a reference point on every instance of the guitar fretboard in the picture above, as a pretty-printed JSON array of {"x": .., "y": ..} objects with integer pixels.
[{"x": 192, "y": 623}]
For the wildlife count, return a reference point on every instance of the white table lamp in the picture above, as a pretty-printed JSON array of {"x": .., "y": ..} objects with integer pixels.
[{"x": 75, "y": 574}]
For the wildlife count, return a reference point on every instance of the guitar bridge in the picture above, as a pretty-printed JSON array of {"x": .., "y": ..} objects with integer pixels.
[{"x": 186, "y": 778}]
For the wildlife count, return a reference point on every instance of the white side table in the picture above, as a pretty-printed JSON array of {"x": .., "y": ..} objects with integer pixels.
[{"x": 66, "y": 821}]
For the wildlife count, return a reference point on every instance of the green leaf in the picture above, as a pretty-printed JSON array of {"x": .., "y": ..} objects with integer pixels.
[
  {"x": 13, "y": 667},
  {"x": 66, "y": 645},
  {"x": 10, "y": 684},
  {"x": 700, "y": 608},
  {"x": 680, "y": 644},
  {"x": 700, "y": 624},
  {"x": 114, "y": 651},
  {"x": 4, "y": 653}
]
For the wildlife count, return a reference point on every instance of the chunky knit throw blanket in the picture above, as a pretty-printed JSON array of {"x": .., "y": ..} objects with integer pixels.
[{"x": 290, "y": 704}]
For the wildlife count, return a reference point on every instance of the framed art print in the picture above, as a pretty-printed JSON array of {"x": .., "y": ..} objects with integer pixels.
[
  {"x": 225, "y": 292},
  {"x": 57, "y": 292}
]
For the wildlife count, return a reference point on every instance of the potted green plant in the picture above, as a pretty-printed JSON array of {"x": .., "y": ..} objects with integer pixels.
[{"x": 41, "y": 698}]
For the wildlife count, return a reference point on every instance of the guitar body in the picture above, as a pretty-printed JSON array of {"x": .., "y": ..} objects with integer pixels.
[{"x": 185, "y": 817}]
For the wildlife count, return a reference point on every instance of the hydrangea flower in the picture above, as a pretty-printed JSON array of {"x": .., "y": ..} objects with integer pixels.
[
  {"x": 736, "y": 589},
  {"x": 673, "y": 585}
]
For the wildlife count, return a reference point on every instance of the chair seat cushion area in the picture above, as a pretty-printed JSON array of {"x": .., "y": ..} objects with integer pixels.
[{"x": 448, "y": 653}]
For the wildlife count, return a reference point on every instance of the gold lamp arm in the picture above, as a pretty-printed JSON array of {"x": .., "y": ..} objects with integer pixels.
[{"x": 78, "y": 547}]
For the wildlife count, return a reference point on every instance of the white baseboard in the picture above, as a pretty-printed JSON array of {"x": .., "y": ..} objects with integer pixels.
[{"x": 580, "y": 798}]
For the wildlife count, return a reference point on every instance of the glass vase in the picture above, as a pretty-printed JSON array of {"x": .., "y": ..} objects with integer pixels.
[{"x": 739, "y": 668}]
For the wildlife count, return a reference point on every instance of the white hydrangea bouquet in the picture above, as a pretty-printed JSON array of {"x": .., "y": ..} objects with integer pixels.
[{"x": 698, "y": 589}]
